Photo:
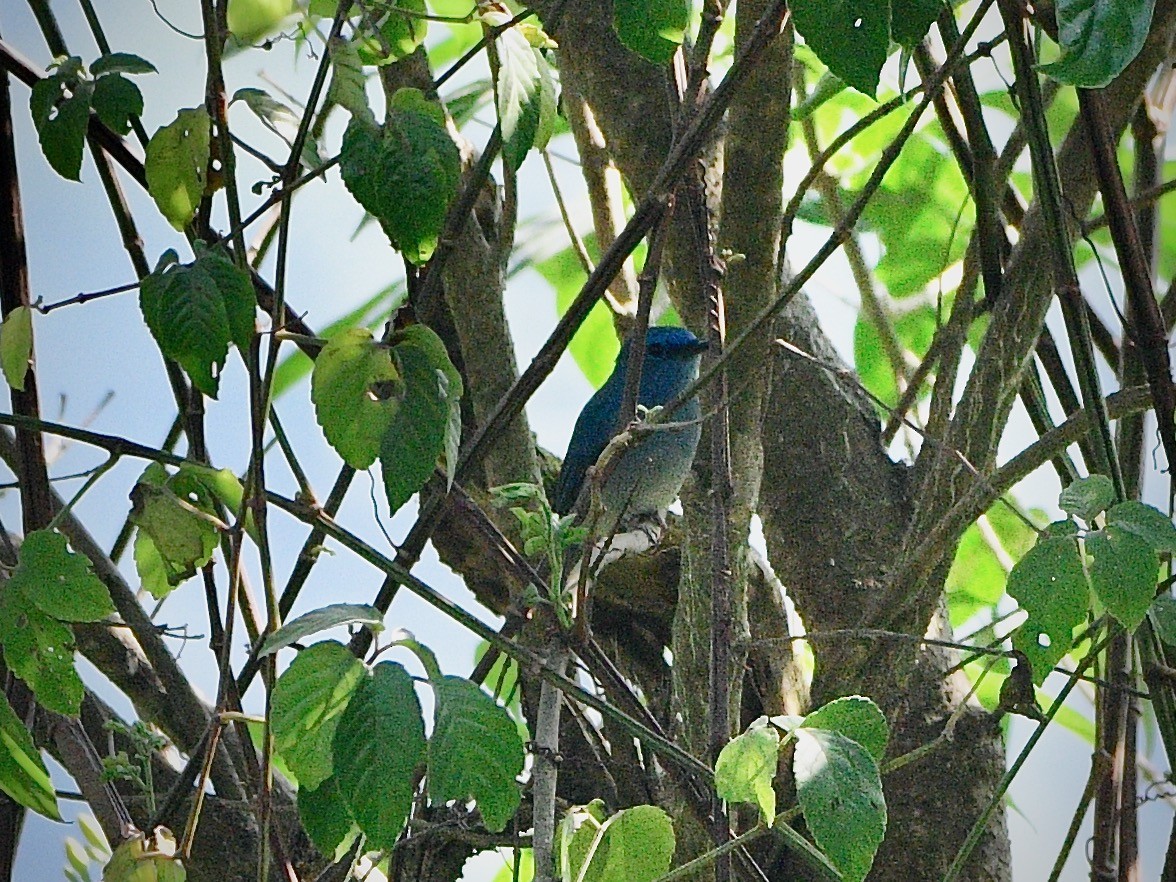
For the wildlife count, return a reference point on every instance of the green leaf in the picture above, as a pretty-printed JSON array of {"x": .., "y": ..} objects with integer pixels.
[
  {"x": 638, "y": 845},
  {"x": 1050, "y": 585},
  {"x": 1163, "y": 611},
  {"x": 177, "y": 165},
  {"x": 654, "y": 29},
  {"x": 857, "y": 718},
  {"x": 60, "y": 582},
  {"x": 475, "y": 751},
  {"x": 634, "y": 845},
  {"x": 375, "y": 781},
  {"x": 911, "y": 19},
  {"x": 146, "y": 859},
  {"x": 117, "y": 101},
  {"x": 404, "y": 174},
  {"x": 1099, "y": 38},
  {"x": 309, "y": 701},
  {"x": 746, "y": 769},
  {"x": 840, "y": 792},
  {"x": 121, "y": 63},
  {"x": 16, "y": 346},
  {"x": 60, "y": 106},
  {"x": 357, "y": 391},
  {"x": 519, "y": 88},
  {"x": 320, "y": 620},
  {"x": 1087, "y": 498},
  {"x": 1123, "y": 573},
  {"x": 427, "y": 424},
  {"x": 400, "y": 34},
  {"x": 327, "y": 819},
  {"x": 40, "y": 650},
  {"x": 153, "y": 572},
  {"x": 183, "y": 536},
  {"x": 348, "y": 86},
  {"x": 1146, "y": 522},
  {"x": 280, "y": 119},
  {"x": 195, "y": 310},
  {"x": 852, "y": 37},
  {"x": 23, "y": 775},
  {"x": 250, "y": 20}
]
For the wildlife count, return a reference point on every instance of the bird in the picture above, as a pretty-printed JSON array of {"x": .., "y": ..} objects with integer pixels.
[{"x": 647, "y": 477}]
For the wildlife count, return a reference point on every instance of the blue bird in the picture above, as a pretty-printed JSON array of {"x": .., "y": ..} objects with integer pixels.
[{"x": 648, "y": 476}]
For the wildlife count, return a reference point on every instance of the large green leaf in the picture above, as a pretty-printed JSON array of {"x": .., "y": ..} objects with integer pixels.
[
  {"x": 40, "y": 650},
  {"x": 1087, "y": 498},
  {"x": 1049, "y": 583},
  {"x": 654, "y": 29},
  {"x": 357, "y": 390},
  {"x": 308, "y": 702},
  {"x": 60, "y": 104},
  {"x": 911, "y": 19},
  {"x": 378, "y": 746},
  {"x": 16, "y": 346},
  {"x": 852, "y": 37},
  {"x": 195, "y": 310},
  {"x": 475, "y": 751},
  {"x": 321, "y": 620},
  {"x": 521, "y": 95},
  {"x": 427, "y": 425},
  {"x": 23, "y": 775},
  {"x": 746, "y": 768},
  {"x": 839, "y": 790},
  {"x": 1099, "y": 39},
  {"x": 326, "y": 818},
  {"x": 177, "y": 165},
  {"x": 856, "y": 717},
  {"x": 404, "y": 174},
  {"x": 1123, "y": 573},
  {"x": 60, "y": 582}
]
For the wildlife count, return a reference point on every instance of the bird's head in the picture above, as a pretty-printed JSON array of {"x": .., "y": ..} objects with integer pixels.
[{"x": 672, "y": 343}]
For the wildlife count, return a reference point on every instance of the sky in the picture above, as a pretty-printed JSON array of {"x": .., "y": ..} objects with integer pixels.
[{"x": 97, "y": 365}]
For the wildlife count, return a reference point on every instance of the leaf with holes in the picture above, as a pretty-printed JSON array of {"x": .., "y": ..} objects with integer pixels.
[
  {"x": 40, "y": 650},
  {"x": 60, "y": 582},
  {"x": 376, "y": 782},
  {"x": 117, "y": 101},
  {"x": 60, "y": 105},
  {"x": 357, "y": 390},
  {"x": 839, "y": 790},
  {"x": 852, "y": 37},
  {"x": 404, "y": 174},
  {"x": 177, "y": 165},
  {"x": 1049, "y": 583},
  {"x": 428, "y": 423},
  {"x": 746, "y": 768},
  {"x": 195, "y": 310},
  {"x": 475, "y": 751},
  {"x": 308, "y": 702}
]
